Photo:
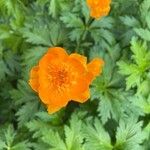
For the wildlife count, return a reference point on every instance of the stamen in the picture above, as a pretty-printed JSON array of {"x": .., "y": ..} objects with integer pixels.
[{"x": 58, "y": 77}]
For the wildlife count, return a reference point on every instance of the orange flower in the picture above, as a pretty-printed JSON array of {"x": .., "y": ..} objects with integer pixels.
[
  {"x": 60, "y": 78},
  {"x": 99, "y": 8}
]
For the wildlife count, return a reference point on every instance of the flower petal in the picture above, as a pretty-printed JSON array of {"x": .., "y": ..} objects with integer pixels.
[
  {"x": 58, "y": 52},
  {"x": 80, "y": 58},
  {"x": 52, "y": 95},
  {"x": 52, "y": 108},
  {"x": 55, "y": 100},
  {"x": 82, "y": 80},
  {"x": 77, "y": 64},
  {"x": 82, "y": 97},
  {"x": 95, "y": 66},
  {"x": 78, "y": 82},
  {"x": 33, "y": 82},
  {"x": 54, "y": 55}
]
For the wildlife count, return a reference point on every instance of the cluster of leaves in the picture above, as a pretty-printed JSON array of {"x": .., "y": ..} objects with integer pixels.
[{"x": 117, "y": 116}]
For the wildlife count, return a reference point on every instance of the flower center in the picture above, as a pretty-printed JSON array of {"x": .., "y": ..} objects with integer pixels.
[{"x": 58, "y": 76}]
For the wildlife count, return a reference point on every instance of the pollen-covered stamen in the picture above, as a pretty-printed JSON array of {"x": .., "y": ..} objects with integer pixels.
[{"x": 58, "y": 76}]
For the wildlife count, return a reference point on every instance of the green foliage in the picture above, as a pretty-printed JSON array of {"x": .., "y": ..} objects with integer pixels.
[
  {"x": 117, "y": 114},
  {"x": 70, "y": 139},
  {"x": 143, "y": 103},
  {"x": 25, "y": 102},
  {"x": 129, "y": 135},
  {"x": 8, "y": 142},
  {"x": 96, "y": 137},
  {"x": 138, "y": 69}
]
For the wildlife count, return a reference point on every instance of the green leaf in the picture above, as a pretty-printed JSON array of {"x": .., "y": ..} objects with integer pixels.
[
  {"x": 23, "y": 93},
  {"x": 72, "y": 21},
  {"x": 53, "y": 7},
  {"x": 130, "y": 21},
  {"x": 143, "y": 103},
  {"x": 136, "y": 69},
  {"x": 146, "y": 130},
  {"x": 10, "y": 141},
  {"x": 21, "y": 146},
  {"x": 148, "y": 20},
  {"x": 73, "y": 138},
  {"x": 37, "y": 127},
  {"x": 38, "y": 36},
  {"x": 4, "y": 31},
  {"x": 133, "y": 71},
  {"x": 26, "y": 112},
  {"x": 9, "y": 5},
  {"x": 2, "y": 145},
  {"x": 143, "y": 33},
  {"x": 54, "y": 140},
  {"x": 106, "y": 22},
  {"x": 102, "y": 34},
  {"x": 96, "y": 137},
  {"x": 129, "y": 135},
  {"x": 56, "y": 7},
  {"x": 144, "y": 9},
  {"x": 3, "y": 70}
]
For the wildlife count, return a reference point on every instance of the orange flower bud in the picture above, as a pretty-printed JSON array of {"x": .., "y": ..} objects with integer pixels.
[{"x": 98, "y": 8}]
